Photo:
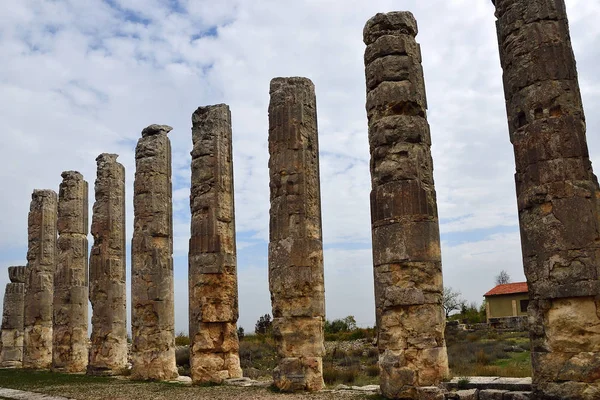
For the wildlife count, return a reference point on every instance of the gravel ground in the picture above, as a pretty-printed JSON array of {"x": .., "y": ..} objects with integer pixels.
[{"x": 143, "y": 391}]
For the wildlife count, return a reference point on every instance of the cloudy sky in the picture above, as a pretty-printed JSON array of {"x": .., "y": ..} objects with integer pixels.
[{"x": 81, "y": 78}]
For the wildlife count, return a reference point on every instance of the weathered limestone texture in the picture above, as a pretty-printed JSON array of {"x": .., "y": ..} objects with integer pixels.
[
  {"x": 152, "y": 306},
  {"x": 295, "y": 246},
  {"x": 406, "y": 241},
  {"x": 70, "y": 333},
  {"x": 213, "y": 294},
  {"x": 11, "y": 344},
  {"x": 39, "y": 285},
  {"x": 108, "y": 350},
  {"x": 557, "y": 196}
]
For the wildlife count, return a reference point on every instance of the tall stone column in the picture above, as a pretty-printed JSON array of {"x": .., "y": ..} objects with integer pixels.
[
  {"x": 406, "y": 240},
  {"x": 108, "y": 291},
  {"x": 295, "y": 245},
  {"x": 557, "y": 197},
  {"x": 213, "y": 294},
  {"x": 70, "y": 333},
  {"x": 12, "y": 319},
  {"x": 39, "y": 286},
  {"x": 152, "y": 307}
]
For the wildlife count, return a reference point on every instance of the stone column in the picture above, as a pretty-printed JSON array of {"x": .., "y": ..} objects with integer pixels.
[
  {"x": 213, "y": 305},
  {"x": 152, "y": 307},
  {"x": 295, "y": 246},
  {"x": 108, "y": 292},
  {"x": 406, "y": 240},
  {"x": 12, "y": 319},
  {"x": 70, "y": 333},
  {"x": 557, "y": 197},
  {"x": 39, "y": 285}
]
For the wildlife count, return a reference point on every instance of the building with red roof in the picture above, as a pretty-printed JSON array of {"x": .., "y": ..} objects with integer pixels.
[{"x": 507, "y": 300}]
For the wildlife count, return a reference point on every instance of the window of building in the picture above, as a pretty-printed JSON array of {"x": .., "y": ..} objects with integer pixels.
[{"x": 524, "y": 304}]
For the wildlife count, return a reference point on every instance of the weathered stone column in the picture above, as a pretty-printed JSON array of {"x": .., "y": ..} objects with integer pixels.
[
  {"x": 39, "y": 286},
  {"x": 295, "y": 246},
  {"x": 108, "y": 291},
  {"x": 12, "y": 319},
  {"x": 152, "y": 307},
  {"x": 557, "y": 196},
  {"x": 406, "y": 239},
  {"x": 213, "y": 294},
  {"x": 70, "y": 331}
]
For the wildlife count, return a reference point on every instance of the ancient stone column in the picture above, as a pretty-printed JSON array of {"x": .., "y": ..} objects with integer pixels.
[
  {"x": 152, "y": 307},
  {"x": 12, "y": 319},
  {"x": 406, "y": 240},
  {"x": 557, "y": 197},
  {"x": 39, "y": 285},
  {"x": 213, "y": 295},
  {"x": 108, "y": 291},
  {"x": 295, "y": 246},
  {"x": 70, "y": 333}
]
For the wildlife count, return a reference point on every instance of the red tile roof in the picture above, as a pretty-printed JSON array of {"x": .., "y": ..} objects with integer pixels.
[{"x": 508, "y": 288}]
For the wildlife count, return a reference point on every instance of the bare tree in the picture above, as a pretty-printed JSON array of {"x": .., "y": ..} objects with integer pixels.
[
  {"x": 503, "y": 278},
  {"x": 452, "y": 300}
]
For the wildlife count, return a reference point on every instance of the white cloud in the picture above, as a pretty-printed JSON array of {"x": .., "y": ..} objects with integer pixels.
[{"x": 81, "y": 78}]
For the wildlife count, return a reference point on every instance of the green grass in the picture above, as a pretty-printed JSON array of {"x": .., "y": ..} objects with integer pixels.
[{"x": 20, "y": 378}]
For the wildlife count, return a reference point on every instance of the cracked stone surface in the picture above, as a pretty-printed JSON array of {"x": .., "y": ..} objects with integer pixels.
[
  {"x": 108, "y": 290},
  {"x": 153, "y": 309},
  {"x": 213, "y": 294},
  {"x": 39, "y": 285},
  {"x": 295, "y": 244},
  {"x": 406, "y": 242},
  {"x": 557, "y": 196},
  {"x": 70, "y": 332},
  {"x": 11, "y": 343}
]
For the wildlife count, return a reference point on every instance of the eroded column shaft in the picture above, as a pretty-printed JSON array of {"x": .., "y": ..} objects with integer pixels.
[
  {"x": 213, "y": 305},
  {"x": 295, "y": 246},
  {"x": 39, "y": 285},
  {"x": 12, "y": 319},
  {"x": 557, "y": 196},
  {"x": 406, "y": 241},
  {"x": 108, "y": 295},
  {"x": 70, "y": 331},
  {"x": 152, "y": 307}
]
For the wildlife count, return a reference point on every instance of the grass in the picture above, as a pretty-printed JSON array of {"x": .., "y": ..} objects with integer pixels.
[{"x": 488, "y": 353}]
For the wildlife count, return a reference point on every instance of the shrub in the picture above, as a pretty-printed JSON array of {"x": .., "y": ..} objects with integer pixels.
[
  {"x": 372, "y": 370},
  {"x": 182, "y": 339}
]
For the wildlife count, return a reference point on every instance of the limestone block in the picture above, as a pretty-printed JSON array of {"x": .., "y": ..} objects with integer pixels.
[
  {"x": 387, "y": 45},
  {"x": 393, "y": 23},
  {"x": 516, "y": 396},
  {"x": 491, "y": 394},
  {"x": 11, "y": 339},
  {"x": 299, "y": 373},
  {"x": 468, "y": 394}
]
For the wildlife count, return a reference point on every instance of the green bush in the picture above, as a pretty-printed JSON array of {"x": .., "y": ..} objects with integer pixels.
[{"x": 182, "y": 339}]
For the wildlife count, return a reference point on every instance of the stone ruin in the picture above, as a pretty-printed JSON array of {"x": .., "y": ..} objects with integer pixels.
[
  {"x": 213, "y": 295},
  {"x": 108, "y": 291},
  {"x": 407, "y": 259},
  {"x": 12, "y": 319},
  {"x": 152, "y": 305},
  {"x": 70, "y": 333},
  {"x": 557, "y": 195},
  {"x": 295, "y": 240}
]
